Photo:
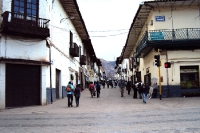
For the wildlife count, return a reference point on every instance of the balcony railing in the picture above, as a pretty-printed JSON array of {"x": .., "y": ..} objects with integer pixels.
[
  {"x": 74, "y": 50},
  {"x": 187, "y": 34},
  {"x": 19, "y": 24},
  {"x": 83, "y": 60}
]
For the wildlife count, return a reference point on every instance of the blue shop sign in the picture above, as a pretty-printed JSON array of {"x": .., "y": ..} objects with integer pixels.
[
  {"x": 160, "y": 18},
  {"x": 156, "y": 35}
]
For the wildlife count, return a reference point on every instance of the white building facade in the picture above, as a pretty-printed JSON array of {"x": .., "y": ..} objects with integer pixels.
[{"x": 41, "y": 50}]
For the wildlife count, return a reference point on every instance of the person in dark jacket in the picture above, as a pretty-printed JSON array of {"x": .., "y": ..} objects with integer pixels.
[
  {"x": 77, "y": 94},
  {"x": 103, "y": 83},
  {"x": 135, "y": 91},
  {"x": 121, "y": 85},
  {"x": 143, "y": 92},
  {"x": 98, "y": 89},
  {"x": 107, "y": 84},
  {"x": 128, "y": 87}
]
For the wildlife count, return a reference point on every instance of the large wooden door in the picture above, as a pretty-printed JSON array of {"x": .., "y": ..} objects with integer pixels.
[
  {"x": 22, "y": 85},
  {"x": 57, "y": 83}
]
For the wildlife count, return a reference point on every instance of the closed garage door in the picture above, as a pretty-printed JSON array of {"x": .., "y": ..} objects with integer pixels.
[{"x": 22, "y": 85}]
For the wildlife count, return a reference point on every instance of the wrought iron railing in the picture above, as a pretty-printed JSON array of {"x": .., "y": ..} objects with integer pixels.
[
  {"x": 74, "y": 50},
  {"x": 83, "y": 60},
  {"x": 167, "y": 35},
  {"x": 142, "y": 42},
  {"x": 21, "y": 19}
]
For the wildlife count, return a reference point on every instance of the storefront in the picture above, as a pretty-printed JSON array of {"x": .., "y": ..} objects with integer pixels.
[{"x": 189, "y": 77}]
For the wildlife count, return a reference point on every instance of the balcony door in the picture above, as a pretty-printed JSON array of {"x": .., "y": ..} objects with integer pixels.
[{"x": 25, "y": 9}]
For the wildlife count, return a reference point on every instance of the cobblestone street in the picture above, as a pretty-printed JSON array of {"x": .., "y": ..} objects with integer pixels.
[{"x": 110, "y": 113}]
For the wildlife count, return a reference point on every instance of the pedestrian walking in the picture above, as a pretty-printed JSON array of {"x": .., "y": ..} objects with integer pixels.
[
  {"x": 138, "y": 86},
  {"x": 103, "y": 83},
  {"x": 143, "y": 92},
  {"x": 92, "y": 89},
  {"x": 77, "y": 93},
  {"x": 70, "y": 89},
  {"x": 107, "y": 83},
  {"x": 98, "y": 89},
  {"x": 121, "y": 85},
  {"x": 128, "y": 87},
  {"x": 134, "y": 90},
  {"x": 113, "y": 82}
]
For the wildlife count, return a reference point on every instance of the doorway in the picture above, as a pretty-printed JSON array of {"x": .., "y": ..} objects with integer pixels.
[{"x": 57, "y": 83}]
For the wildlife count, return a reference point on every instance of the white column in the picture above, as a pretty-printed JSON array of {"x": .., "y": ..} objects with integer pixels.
[
  {"x": 2, "y": 86},
  {"x": 43, "y": 85}
]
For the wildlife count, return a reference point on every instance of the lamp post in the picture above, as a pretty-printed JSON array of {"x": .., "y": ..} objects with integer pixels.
[{"x": 72, "y": 17}]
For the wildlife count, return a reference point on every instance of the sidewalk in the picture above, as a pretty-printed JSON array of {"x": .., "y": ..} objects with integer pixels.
[{"x": 110, "y": 100}]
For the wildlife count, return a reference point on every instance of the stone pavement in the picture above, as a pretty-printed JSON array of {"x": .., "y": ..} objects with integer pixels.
[{"x": 110, "y": 113}]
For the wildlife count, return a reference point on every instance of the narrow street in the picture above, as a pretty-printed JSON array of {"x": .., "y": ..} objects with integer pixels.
[{"x": 110, "y": 113}]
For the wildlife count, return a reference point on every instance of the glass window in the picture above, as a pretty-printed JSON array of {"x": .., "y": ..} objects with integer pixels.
[
  {"x": 21, "y": 4},
  {"x": 33, "y": 12},
  {"x": 16, "y": 9},
  {"x": 16, "y": 3},
  {"x": 189, "y": 77},
  {"x": 21, "y": 10},
  {"x": 27, "y": 7},
  {"x": 29, "y": 12},
  {"x": 34, "y": 7}
]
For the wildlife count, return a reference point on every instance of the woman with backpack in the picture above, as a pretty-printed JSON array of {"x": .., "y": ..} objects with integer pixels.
[{"x": 92, "y": 89}]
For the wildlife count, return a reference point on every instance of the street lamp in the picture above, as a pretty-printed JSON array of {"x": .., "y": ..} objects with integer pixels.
[{"x": 72, "y": 17}]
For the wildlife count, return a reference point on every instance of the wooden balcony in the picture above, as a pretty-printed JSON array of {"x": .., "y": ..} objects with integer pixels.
[
  {"x": 99, "y": 62},
  {"x": 74, "y": 50},
  {"x": 176, "y": 39},
  {"x": 83, "y": 60},
  {"x": 28, "y": 26}
]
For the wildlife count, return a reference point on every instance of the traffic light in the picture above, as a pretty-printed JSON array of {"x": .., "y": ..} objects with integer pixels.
[
  {"x": 157, "y": 60},
  {"x": 167, "y": 64}
]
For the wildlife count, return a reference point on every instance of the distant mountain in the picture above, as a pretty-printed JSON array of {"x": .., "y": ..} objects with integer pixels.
[{"x": 109, "y": 68}]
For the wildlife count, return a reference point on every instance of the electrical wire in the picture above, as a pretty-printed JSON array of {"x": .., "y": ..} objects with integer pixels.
[
  {"x": 109, "y": 30},
  {"x": 63, "y": 29},
  {"x": 110, "y": 35}
]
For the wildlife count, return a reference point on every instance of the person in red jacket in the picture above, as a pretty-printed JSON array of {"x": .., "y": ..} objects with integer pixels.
[{"x": 91, "y": 89}]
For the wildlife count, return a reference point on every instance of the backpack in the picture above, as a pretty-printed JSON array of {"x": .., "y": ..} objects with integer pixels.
[
  {"x": 91, "y": 88},
  {"x": 68, "y": 89}
]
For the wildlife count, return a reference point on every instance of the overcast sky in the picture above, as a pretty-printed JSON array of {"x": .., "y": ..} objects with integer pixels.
[{"x": 108, "y": 23}]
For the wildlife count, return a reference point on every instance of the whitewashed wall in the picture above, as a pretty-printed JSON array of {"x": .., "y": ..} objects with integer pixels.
[{"x": 60, "y": 37}]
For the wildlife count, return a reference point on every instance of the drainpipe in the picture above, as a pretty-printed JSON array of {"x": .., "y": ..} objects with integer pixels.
[{"x": 50, "y": 75}]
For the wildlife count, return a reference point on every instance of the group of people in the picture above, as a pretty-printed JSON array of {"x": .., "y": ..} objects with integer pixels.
[
  {"x": 138, "y": 88},
  {"x": 95, "y": 88},
  {"x": 73, "y": 91},
  {"x": 112, "y": 83}
]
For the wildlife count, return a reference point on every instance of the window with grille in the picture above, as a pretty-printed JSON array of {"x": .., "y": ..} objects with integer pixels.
[{"x": 29, "y": 8}]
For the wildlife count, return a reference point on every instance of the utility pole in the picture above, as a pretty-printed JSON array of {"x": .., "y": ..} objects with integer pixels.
[
  {"x": 158, "y": 64},
  {"x": 160, "y": 89}
]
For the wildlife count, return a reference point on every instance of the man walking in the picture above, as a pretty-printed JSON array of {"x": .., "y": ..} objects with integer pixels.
[
  {"x": 122, "y": 85},
  {"x": 77, "y": 93},
  {"x": 143, "y": 92},
  {"x": 98, "y": 88}
]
